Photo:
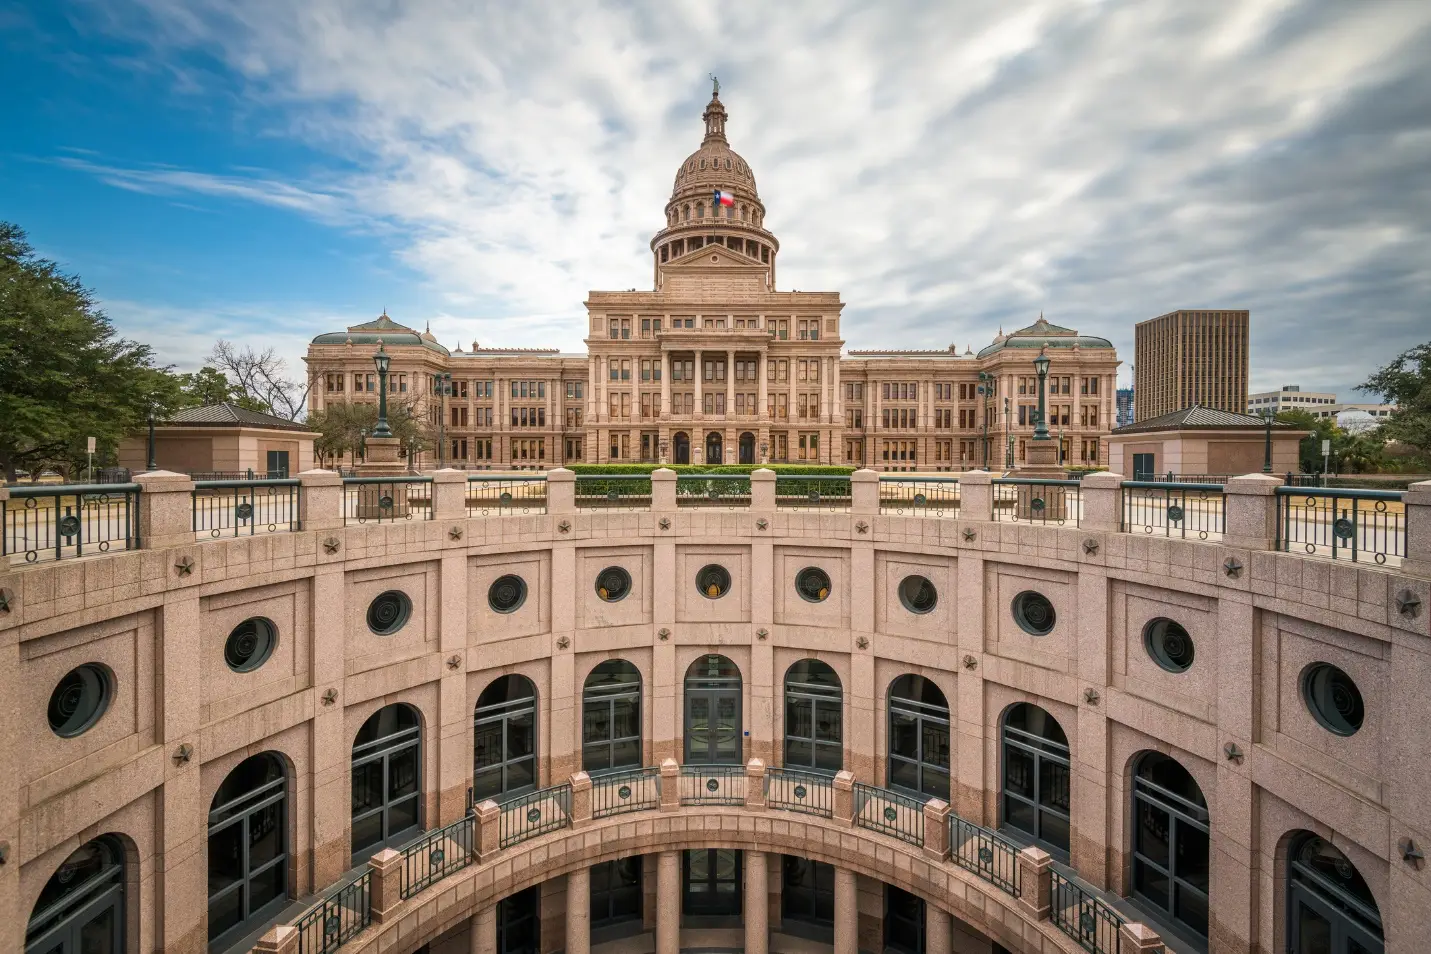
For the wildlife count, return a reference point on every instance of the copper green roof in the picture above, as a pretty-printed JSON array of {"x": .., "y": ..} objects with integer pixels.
[
  {"x": 1044, "y": 333},
  {"x": 384, "y": 329}
]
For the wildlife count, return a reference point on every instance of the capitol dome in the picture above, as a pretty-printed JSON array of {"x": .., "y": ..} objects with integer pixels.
[{"x": 711, "y": 168}]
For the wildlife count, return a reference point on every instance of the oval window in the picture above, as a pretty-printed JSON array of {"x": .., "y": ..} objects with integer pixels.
[
  {"x": 1169, "y": 644},
  {"x": 713, "y": 581},
  {"x": 918, "y": 594},
  {"x": 1332, "y": 698},
  {"x": 613, "y": 583},
  {"x": 80, "y": 699},
  {"x": 250, "y": 644},
  {"x": 1034, "y": 613},
  {"x": 507, "y": 593},
  {"x": 813, "y": 584},
  {"x": 389, "y": 612}
]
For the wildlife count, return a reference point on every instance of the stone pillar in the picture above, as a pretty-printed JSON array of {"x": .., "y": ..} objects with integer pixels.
[
  {"x": 320, "y": 500},
  {"x": 580, "y": 800},
  {"x": 936, "y": 930},
  {"x": 1137, "y": 938},
  {"x": 847, "y": 913},
  {"x": 976, "y": 496},
  {"x": 668, "y": 900},
  {"x": 757, "y": 906},
  {"x": 578, "y": 911},
  {"x": 1418, "y": 529},
  {"x": 663, "y": 490},
  {"x": 844, "y": 795},
  {"x": 762, "y": 388},
  {"x": 1102, "y": 502},
  {"x": 1249, "y": 507},
  {"x": 729, "y": 385},
  {"x": 487, "y": 830},
  {"x": 864, "y": 492},
  {"x": 166, "y": 509},
  {"x": 755, "y": 785},
  {"x": 279, "y": 939},
  {"x": 936, "y": 830},
  {"x": 449, "y": 494},
  {"x": 386, "y": 890},
  {"x": 762, "y": 489},
  {"x": 482, "y": 931},
  {"x": 561, "y": 491},
  {"x": 1035, "y": 883},
  {"x": 700, "y": 401},
  {"x": 670, "y": 785},
  {"x": 665, "y": 385}
]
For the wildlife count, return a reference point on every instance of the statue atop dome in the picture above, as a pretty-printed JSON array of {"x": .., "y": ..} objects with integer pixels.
[{"x": 715, "y": 86}]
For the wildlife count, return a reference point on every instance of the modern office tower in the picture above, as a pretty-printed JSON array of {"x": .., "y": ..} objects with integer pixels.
[{"x": 1189, "y": 357}]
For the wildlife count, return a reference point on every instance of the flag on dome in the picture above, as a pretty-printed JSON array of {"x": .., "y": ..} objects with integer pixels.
[{"x": 723, "y": 198}]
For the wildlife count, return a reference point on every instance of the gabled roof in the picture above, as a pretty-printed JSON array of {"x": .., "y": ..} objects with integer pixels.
[
  {"x": 1198, "y": 416},
  {"x": 229, "y": 415}
]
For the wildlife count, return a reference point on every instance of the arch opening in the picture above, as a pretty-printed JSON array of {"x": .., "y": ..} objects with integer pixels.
[
  {"x": 611, "y": 717},
  {"x": 504, "y": 739},
  {"x": 387, "y": 780},
  {"x": 81, "y": 908},
  {"x": 814, "y": 717},
  {"x": 248, "y": 849},
  {"x": 918, "y": 760},
  {"x": 1170, "y": 844},
  {"x": 1034, "y": 798},
  {"x": 713, "y": 712}
]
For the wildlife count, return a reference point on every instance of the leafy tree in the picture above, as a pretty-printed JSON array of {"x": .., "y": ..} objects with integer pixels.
[
  {"x": 207, "y": 386},
  {"x": 1406, "y": 382},
  {"x": 1361, "y": 452},
  {"x": 343, "y": 427},
  {"x": 64, "y": 373}
]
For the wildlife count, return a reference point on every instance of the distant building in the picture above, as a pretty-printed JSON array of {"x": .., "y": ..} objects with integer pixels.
[
  {"x": 1187, "y": 358},
  {"x": 1124, "y": 401},
  {"x": 1290, "y": 397},
  {"x": 1357, "y": 417},
  {"x": 1200, "y": 443},
  {"x": 222, "y": 441}
]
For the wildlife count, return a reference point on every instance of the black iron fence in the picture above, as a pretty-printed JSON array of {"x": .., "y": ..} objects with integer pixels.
[
  {"x": 1342, "y": 524},
  {"x": 731, "y": 491},
  {"x": 239, "y": 507},
  {"x": 59, "y": 522},
  {"x": 919, "y": 496},
  {"x": 792, "y": 790},
  {"x": 890, "y": 812},
  {"x": 501, "y": 496},
  {"x": 1174, "y": 510},
  {"x": 1085, "y": 917},
  {"x": 613, "y": 491},
  {"x": 629, "y": 790},
  {"x": 987, "y": 854},
  {"x": 535, "y": 813},
  {"x": 339, "y": 916},
  {"x": 1026, "y": 500},
  {"x": 813, "y": 493},
  {"x": 436, "y": 854},
  {"x": 712, "y": 784},
  {"x": 386, "y": 499}
]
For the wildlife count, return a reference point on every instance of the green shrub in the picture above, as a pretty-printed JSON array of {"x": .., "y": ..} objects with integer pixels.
[{"x": 790, "y": 479}]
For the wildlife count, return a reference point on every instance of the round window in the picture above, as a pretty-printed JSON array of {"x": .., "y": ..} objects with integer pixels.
[
  {"x": 250, "y": 644},
  {"x": 1332, "y": 698},
  {"x": 918, "y": 594},
  {"x": 713, "y": 581},
  {"x": 613, "y": 583},
  {"x": 389, "y": 612},
  {"x": 1034, "y": 613},
  {"x": 80, "y": 698},
  {"x": 1169, "y": 644},
  {"x": 507, "y": 593},
  {"x": 813, "y": 584}
]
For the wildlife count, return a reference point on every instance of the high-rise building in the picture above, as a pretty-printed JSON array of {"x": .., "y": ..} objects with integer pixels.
[
  {"x": 1189, "y": 357},
  {"x": 1123, "y": 403}
]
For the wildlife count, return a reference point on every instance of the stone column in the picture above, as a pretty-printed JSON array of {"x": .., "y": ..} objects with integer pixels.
[
  {"x": 320, "y": 500},
  {"x": 1418, "y": 529},
  {"x": 665, "y": 385},
  {"x": 936, "y": 930},
  {"x": 1250, "y": 511},
  {"x": 279, "y": 939},
  {"x": 668, "y": 902},
  {"x": 699, "y": 399},
  {"x": 386, "y": 888},
  {"x": 864, "y": 492},
  {"x": 1102, "y": 502},
  {"x": 762, "y": 488},
  {"x": 729, "y": 384},
  {"x": 757, "y": 905},
  {"x": 1035, "y": 883},
  {"x": 578, "y": 911},
  {"x": 561, "y": 491},
  {"x": 166, "y": 509},
  {"x": 847, "y": 913},
  {"x": 663, "y": 490},
  {"x": 1138, "y": 938},
  {"x": 449, "y": 494},
  {"x": 976, "y": 496},
  {"x": 762, "y": 388},
  {"x": 482, "y": 931}
]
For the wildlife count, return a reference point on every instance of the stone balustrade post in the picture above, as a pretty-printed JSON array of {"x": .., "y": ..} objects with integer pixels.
[
  {"x": 487, "y": 838},
  {"x": 844, "y": 792},
  {"x": 1035, "y": 882},
  {"x": 1102, "y": 502},
  {"x": 386, "y": 887},
  {"x": 755, "y": 785},
  {"x": 279, "y": 939},
  {"x": 580, "y": 800},
  {"x": 762, "y": 489},
  {"x": 1249, "y": 510},
  {"x": 449, "y": 494},
  {"x": 864, "y": 492},
  {"x": 663, "y": 490},
  {"x": 1137, "y": 938},
  {"x": 976, "y": 495},
  {"x": 670, "y": 785},
  {"x": 1418, "y": 530},
  {"x": 320, "y": 500},
  {"x": 166, "y": 509},
  {"x": 936, "y": 829},
  {"x": 561, "y": 490}
]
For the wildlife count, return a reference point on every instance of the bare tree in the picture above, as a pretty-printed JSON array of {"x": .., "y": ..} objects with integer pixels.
[{"x": 260, "y": 375}]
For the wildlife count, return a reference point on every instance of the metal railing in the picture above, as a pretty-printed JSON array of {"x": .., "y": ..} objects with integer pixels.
[
  {"x": 58, "y": 522},
  {"x": 731, "y": 491},
  {"x": 1085, "y": 917},
  {"x": 987, "y": 854},
  {"x": 501, "y": 496},
  {"x": 629, "y": 790},
  {"x": 1026, "y": 500},
  {"x": 535, "y": 813},
  {"x": 890, "y": 812},
  {"x": 238, "y": 507},
  {"x": 613, "y": 491},
  {"x": 339, "y": 916},
  {"x": 919, "y": 496},
  {"x": 793, "y": 790},
  {"x": 712, "y": 785},
  {"x": 1173, "y": 509},
  {"x": 436, "y": 854},
  {"x": 1342, "y": 524},
  {"x": 386, "y": 499},
  {"x": 828, "y": 493}
]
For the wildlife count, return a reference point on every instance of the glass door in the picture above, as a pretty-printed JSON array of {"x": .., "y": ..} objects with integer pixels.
[
  {"x": 386, "y": 793},
  {"x": 713, "y": 726},
  {"x": 712, "y": 882}
]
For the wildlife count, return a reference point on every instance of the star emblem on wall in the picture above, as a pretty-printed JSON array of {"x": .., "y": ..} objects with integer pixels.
[
  {"x": 564, "y": 526},
  {"x": 1232, "y": 567},
  {"x": 969, "y": 534},
  {"x": 665, "y": 523},
  {"x": 1407, "y": 603},
  {"x": 185, "y": 566},
  {"x": 6, "y": 595},
  {"x": 862, "y": 527},
  {"x": 455, "y": 533},
  {"x": 1090, "y": 546},
  {"x": 332, "y": 545}
]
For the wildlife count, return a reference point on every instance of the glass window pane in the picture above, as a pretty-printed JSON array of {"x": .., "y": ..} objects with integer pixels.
[
  {"x": 225, "y": 857},
  {"x": 936, "y": 783},
  {"x": 1191, "y": 908},
  {"x": 521, "y": 774},
  {"x": 1151, "y": 834},
  {"x": 97, "y": 935},
  {"x": 595, "y": 758},
  {"x": 828, "y": 724},
  {"x": 487, "y": 744},
  {"x": 521, "y": 735},
  {"x": 367, "y": 832},
  {"x": 936, "y": 744},
  {"x": 1191, "y": 859},
  {"x": 1150, "y": 882},
  {"x": 225, "y": 912},
  {"x": 1053, "y": 785},
  {"x": 596, "y": 723},
  {"x": 626, "y": 718},
  {"x": 402, "y": 773},
  {"x": 402, "y": 815},
  {"x": 487, "y": 784},
  {"x": 627, "y": 752},
  {"x": 830, "y": 757},
  {"x": 1314, "y": 932},
  {"x": 1019, "y": 814},
  {"x": 265, "y": 835},
  {"x": 903, "y": 774},
  {"x": 903, "y": 735},
  {"x": 1054, "y": 829},
  {"x": 1018, "y": 772},
  {"x": 798, "y": 719},
  {"x": 367, "y": 786},
  {"x": 267, "y": 886}
]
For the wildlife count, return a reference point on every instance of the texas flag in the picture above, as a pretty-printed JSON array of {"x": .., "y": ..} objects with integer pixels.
[{"x": 723, "y": 198}]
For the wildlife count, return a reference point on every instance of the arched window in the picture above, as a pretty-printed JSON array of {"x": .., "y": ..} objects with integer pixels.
[
  {"x": 611, "y": 717},
  {"x": 918, "y": 737},
  {"x": 1329, "y": 906},
  {"x": 387, "y": 789},
  {"x": 248, "y": 848},
  {"x": 814, "y": 717},
  {"x": 1170, "y": 842},
  {"x": 700, "y": 210},
  {"x": 80, "y": 910},
  {"x": 1036, "y": 770},
  {"x": 713, "y": 711},
  {"x": 519, "y": 922},
  {"x": 504, "y": 741},
  {"x": 686, "y": 213}
]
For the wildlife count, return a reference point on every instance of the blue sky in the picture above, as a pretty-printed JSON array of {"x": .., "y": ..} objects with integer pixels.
[{"x": 265, "y": 171}]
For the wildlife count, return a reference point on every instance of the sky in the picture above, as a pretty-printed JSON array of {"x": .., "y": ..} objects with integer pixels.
[{"x": 269, "y": 170}]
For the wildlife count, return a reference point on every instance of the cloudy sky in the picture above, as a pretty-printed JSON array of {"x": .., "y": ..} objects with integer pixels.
[{"x": 266, "y": 171}]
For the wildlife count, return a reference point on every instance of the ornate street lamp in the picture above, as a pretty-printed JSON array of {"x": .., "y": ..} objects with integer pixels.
[
  {"x": 444, "y": 389},
  {"x": 1267, "y": 442},
  {"x": 1041, "y": 423},
  {"x": 1008, "y": 430},
  {"x": 985, "y": 389},
  {"x": 380, "y": 361},
  {"x": 152, "y": 464},
  {"x": 665, "y": 447},
  {"x": 765, "y": 452}
]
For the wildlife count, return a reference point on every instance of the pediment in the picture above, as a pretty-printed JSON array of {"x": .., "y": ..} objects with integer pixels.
[{"x": 714, "y": 256}]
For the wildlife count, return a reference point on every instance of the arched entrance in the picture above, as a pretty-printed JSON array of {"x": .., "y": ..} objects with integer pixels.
[
  {"x": 713, "y": 707},
  {"x": 918, "y": 737},
  {"x": 248, "y": 848},
  {"x": 1036, "y": 776},
  {"x": 386, "y": 774},
  {"x": 714, "y": 445},
  {"x": 81, "y": 908},
  {"x": 611, "y": 717},
  {"x": 814, "y": 736},
  {"x": 1170, "y": 843},
  {"x": 1329, "y": 906},
  {"x": 681, "y": 442},
  {"x": 747, "y": 448},
  {"x": 504, "y": 739}
]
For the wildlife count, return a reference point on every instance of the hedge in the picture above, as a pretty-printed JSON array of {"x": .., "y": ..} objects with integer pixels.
[
  {"x": 802, "y": 470},
  {"x": 788, "y": 479}
]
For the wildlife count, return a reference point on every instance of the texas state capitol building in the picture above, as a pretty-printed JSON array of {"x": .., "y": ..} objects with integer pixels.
[{"x": 714, "y": 365}]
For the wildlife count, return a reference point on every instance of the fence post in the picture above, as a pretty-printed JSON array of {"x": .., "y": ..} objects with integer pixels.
[
  {"x": 762, "y": 489},
  {"x": 670, "y": 785},
  {"x": 1035, "y": 882},
  {"x": 580, "y": 800},
  {"x": 1102, "y": 502},
  {"x": 844, "y": 790},
  {"x": 864, "y": 492},
  {"x": 279, "y": 939},
  {"x": 320, "y": 500},
  {"x": 1418, "y": 529},
  {"x": 1134, "y": 936},
  {"x": 166, "y": 509},
  {"x": 386, "y": 886},
  {"x": 561, "y": 491},
  {"x": 976, "y": 495},
  {"x": 487, "y": 837},
  {"x": 663, "y": 490},
  {"x": 755, "y": 785},
  {"x": 449, "y": 494},
  {"x": 1250, "y": 511},
  {"x": 936, "y": 829}
]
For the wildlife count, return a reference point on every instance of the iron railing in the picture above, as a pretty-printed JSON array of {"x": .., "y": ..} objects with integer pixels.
[
  {"x": 987, "y": 854},
  {"x": 629, "y": 790},
  {"x": 827, "y": 493},
  {"x": 436, "y": 854},
  {"x": 1027, "y": 500},
  {"x": 1085, "y": 917},
  {"x": 1173, "y": 509},
  {"x": 501, "y": 496},
  {"x": 535, "y": 813},
  {"x": 890, "y": 812},
  {"x": 1342, "y": 524},
  {"x": 238, "y": 507},
  {"x": 386, "y": 499},
  {"x": 339, "y": 916},
  {"x": 613, "y": 491},
  {"x": 58, "y": 522},
  {"x": 731, "y": 491},
  {"x": 712, "y": 784},
  {"x": 794, "y": 790},
  {"x": 919, "y": 496}
]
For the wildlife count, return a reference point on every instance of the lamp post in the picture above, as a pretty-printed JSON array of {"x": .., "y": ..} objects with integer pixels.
[
  {"x": 363, "y": 443},
  {"x": 1008, "y": 430},
  {"x": 665, "y": 448},
  {"x": 764, "y": 452},
  {"x": 380, "y": 361},
  {"x": 1041, "y": 422},
  {"x": 1267, "y": 442},
  {"x": 444, "y": 389},
  {"x": 153, "y": 465},
  {"x": 984, "y": 390}
]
